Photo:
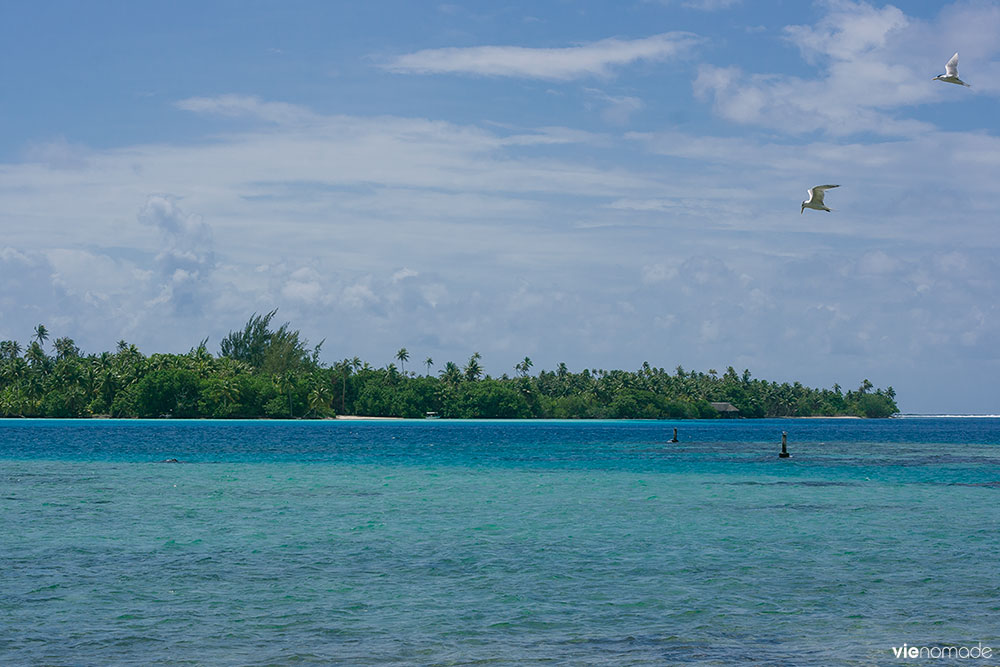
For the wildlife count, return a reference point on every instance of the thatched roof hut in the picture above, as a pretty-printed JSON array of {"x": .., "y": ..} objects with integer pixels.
[{"x": 726, "y": 409}]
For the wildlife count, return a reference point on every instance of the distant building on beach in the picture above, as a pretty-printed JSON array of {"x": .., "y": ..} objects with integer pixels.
[{"x": 727, "y": 410}]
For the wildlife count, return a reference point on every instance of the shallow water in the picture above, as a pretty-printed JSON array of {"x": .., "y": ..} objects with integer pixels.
[{"x": 496, "y": 542}]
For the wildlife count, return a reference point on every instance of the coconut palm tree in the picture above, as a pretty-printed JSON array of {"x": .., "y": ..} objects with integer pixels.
[
  {"x": 41, "y": 334},
  {"x": 402, "y": 356},
  {"x": 451, "y": 374},
  {"x": 35, "y": 355},
  {"x": 10, "y": 349},
  {"x": 285, "y": 382},
  {"x": 319, "y": 396},
  {"x": 343, "y": 369},
  {"x": 391, "y": 374},
  {"x": 428, "y": 362},
  {"x": 66, "y": 348},
  {"x": 472, "y": 369}
]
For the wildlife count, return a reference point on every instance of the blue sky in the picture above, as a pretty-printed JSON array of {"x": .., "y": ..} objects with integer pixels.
[{"x": 595, "y": 183}]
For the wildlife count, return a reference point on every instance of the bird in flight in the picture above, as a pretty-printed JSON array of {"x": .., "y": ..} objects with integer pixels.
[
  {"x": 815, "y": 200},
  {"x": 951, "y": 73}
]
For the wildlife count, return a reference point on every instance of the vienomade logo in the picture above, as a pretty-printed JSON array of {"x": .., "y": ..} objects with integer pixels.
[{"x": 946, "y": 652}]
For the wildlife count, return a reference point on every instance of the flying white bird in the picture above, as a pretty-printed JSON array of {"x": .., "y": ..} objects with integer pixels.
[
  {"x": 951, "y": 73},
  {"x": 815, "y": 200}
]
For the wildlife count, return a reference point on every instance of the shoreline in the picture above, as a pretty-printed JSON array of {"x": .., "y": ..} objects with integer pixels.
[
  {"x": 363, "y": 418},
  {"x": 821, "y": 417}
]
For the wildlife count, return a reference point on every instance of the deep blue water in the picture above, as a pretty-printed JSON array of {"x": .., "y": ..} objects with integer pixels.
[{"x": 440, "y": 542}]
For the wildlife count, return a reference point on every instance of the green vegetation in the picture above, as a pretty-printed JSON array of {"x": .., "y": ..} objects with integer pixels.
[{"x": 262, "y": 372}]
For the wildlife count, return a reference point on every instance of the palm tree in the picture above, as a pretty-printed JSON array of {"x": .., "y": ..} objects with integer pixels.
[
  {"x": 344, "y": 369},
  {"x": 428, "y": 362},
  {"x": 319, "y": 396},
  {"x": 473, "y": 369},
  {"x": 229, "y": 391},
  {"x": 285, "y": 383},
  {"x": 65, "y": 348},
  {"x": 201, "y": 359},
  {"x": 35, "y": 355},
  {"x": 41, "y": 334},
  {"x": 451, "y": 374},
  {"x": 391, "y": 374},
  {"x": 15, "y": 370},
  {"x": 10, "y": 349},
  {"x": 523, "y": 367},
  {"x": 403, "y": 356}
]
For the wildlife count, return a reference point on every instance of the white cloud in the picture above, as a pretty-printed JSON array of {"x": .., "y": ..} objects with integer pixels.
[
  {"x": 618, "y": 110},
  {"x": 657, "y": 273},
  {"x": 236, "y": 106},
  {"x": 59, "y": 154},
  {"x": 403, "y": 274},
  {"x": 705, "y": 5},
  {"x": 187, "y": 256},
  {"x": 851, "y": 32},
  {"x": 310, "y": 292},
  {"x": 873, "y": 64},
  {"x": 877, "y": 263},
  {"x": 588, "y": 60},
  {"x": 359, "y": 295},
  {"x": 711, "y": 5}
]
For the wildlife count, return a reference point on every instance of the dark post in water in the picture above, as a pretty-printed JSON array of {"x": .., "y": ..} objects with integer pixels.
[
  {"x": 675, "y": 435},
  {"x": 784, "y": 446}
]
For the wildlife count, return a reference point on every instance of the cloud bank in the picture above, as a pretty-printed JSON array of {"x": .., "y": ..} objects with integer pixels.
[{"x": 597, "y": 59}]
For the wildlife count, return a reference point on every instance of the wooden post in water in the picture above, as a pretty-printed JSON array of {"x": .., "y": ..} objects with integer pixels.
[
  {"x": 675, "y": 435},
  {"x": 784, "y": 446}
]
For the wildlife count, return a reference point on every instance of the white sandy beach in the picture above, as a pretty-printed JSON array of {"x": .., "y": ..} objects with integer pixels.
[{"x": 362, "y": 417}]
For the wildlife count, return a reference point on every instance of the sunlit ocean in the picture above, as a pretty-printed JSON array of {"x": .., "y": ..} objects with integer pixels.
[{"x": 502, "y": 543}]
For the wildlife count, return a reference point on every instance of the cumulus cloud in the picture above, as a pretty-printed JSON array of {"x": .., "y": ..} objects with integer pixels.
[
  {"x": 187, "y": 258},
  {"x": 850, "y": 32},
  {"x": 403, "y": 274},
  {"x": 561, "y": 64},
  {"x": 869, "y": 68}
]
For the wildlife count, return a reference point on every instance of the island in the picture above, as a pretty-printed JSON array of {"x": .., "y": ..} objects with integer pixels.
[{"x": 267, "y": 372}]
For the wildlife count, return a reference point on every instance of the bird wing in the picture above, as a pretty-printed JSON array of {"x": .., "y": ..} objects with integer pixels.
[
  {"x": 951, "y": 69},
  {"x": 816, "y": 192}
]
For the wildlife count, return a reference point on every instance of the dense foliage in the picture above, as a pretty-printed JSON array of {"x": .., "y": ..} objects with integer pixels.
[{"x": 262, "y": 372}]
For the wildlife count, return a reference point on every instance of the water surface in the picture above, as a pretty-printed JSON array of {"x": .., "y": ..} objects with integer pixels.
[{"x": 439, "y": 542}]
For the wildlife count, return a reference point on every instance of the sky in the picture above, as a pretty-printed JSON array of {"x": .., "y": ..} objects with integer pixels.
[{"x": 595, "y": 183}]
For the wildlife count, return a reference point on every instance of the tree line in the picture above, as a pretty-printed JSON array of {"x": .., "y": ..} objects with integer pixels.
[{"x": 263, "y": 372}]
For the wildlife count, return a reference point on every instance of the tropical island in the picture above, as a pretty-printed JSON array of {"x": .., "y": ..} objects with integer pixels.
[{"x": 263, "y": 372}]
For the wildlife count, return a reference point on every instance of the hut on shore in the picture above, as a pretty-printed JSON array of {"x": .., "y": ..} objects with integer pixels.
[{"x": 726, "y": 410}]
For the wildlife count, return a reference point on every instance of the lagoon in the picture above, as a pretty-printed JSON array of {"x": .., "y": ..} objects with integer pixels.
[{"x": 449, "y": 542}]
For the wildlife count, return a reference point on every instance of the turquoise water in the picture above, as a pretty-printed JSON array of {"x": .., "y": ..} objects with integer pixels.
[{"x": 497, "y": 542}]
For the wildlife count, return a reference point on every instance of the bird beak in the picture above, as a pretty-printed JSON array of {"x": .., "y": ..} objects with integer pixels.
[{"x": 802, "y": 209}]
